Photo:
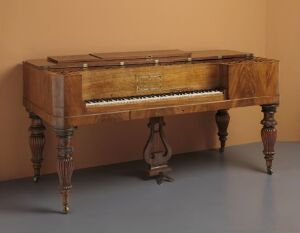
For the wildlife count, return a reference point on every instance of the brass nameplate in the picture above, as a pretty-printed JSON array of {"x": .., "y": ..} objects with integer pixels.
[{"x": 148, "y": 82}]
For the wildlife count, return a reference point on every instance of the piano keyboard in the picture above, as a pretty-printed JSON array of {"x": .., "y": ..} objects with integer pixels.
[{"x": 153, "y": 97}]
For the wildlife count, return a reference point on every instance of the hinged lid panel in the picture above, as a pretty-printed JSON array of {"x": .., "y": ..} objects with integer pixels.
[
  {"x": 218, "y": 54},
  {"x": 142, "y": 55},
  {"x": 139, "y": 58},
  {"x": 73, "y": 59}
]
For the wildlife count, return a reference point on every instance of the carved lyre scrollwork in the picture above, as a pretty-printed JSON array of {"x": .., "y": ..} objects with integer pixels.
[{"x": 157, "y": 151}]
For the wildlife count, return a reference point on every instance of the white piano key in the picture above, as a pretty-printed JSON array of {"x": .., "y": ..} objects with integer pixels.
[{"x": 139, "y": 99}]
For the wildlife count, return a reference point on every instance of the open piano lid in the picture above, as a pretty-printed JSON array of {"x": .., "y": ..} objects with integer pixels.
[{"x": 141, "y": 57}]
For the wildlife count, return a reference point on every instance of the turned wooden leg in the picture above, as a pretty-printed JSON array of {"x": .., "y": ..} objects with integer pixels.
[
  {"x": 269, "y": 134},
  {"x": 222, "y": 119},
  {"x": 65, "y": 164},
  {"x": 157, "y": 151},
  {"x": 36, "y": 142}
]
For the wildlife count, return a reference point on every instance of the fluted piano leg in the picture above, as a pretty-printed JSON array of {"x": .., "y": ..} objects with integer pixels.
[
  {"x": 65, "y": 164},
  {"x": 36, "y": 142},
  {"x": 222, "y": 120},
  {"x": 157, "y": 151},
  {"x": 269, "y": 134}
]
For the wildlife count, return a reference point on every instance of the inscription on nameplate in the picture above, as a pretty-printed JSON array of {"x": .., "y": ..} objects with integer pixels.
[{"x": 148, "y": 82}]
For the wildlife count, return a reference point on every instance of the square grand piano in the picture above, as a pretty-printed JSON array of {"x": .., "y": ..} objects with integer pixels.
[{"x": 69, "y": 91}]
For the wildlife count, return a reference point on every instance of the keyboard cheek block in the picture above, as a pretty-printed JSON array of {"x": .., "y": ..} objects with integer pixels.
[{"x": 67, "y": 92}]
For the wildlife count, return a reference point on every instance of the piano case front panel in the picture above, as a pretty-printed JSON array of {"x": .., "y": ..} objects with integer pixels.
[{"x": 121, "y": 82}]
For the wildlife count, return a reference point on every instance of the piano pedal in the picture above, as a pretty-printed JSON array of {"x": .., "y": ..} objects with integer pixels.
[{"x": 162, "y": 177}]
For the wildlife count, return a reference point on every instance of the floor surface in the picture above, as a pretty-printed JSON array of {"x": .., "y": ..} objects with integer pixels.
[{"x": 211, "y": 193}]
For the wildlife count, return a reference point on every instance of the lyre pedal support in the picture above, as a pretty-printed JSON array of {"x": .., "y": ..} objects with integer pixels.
[{"x": 157, "y": 151}]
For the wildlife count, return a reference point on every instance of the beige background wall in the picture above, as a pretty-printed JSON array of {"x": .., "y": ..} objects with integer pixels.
[
  {"x": 34, "y": 29},
  {"x": 283, "y": 43}
]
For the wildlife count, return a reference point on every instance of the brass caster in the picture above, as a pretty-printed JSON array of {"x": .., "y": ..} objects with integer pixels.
[
  {"x": 36, "y": 179},
  {"x": 269, "y": 171},
  {"x": 66, "y": 209}
]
